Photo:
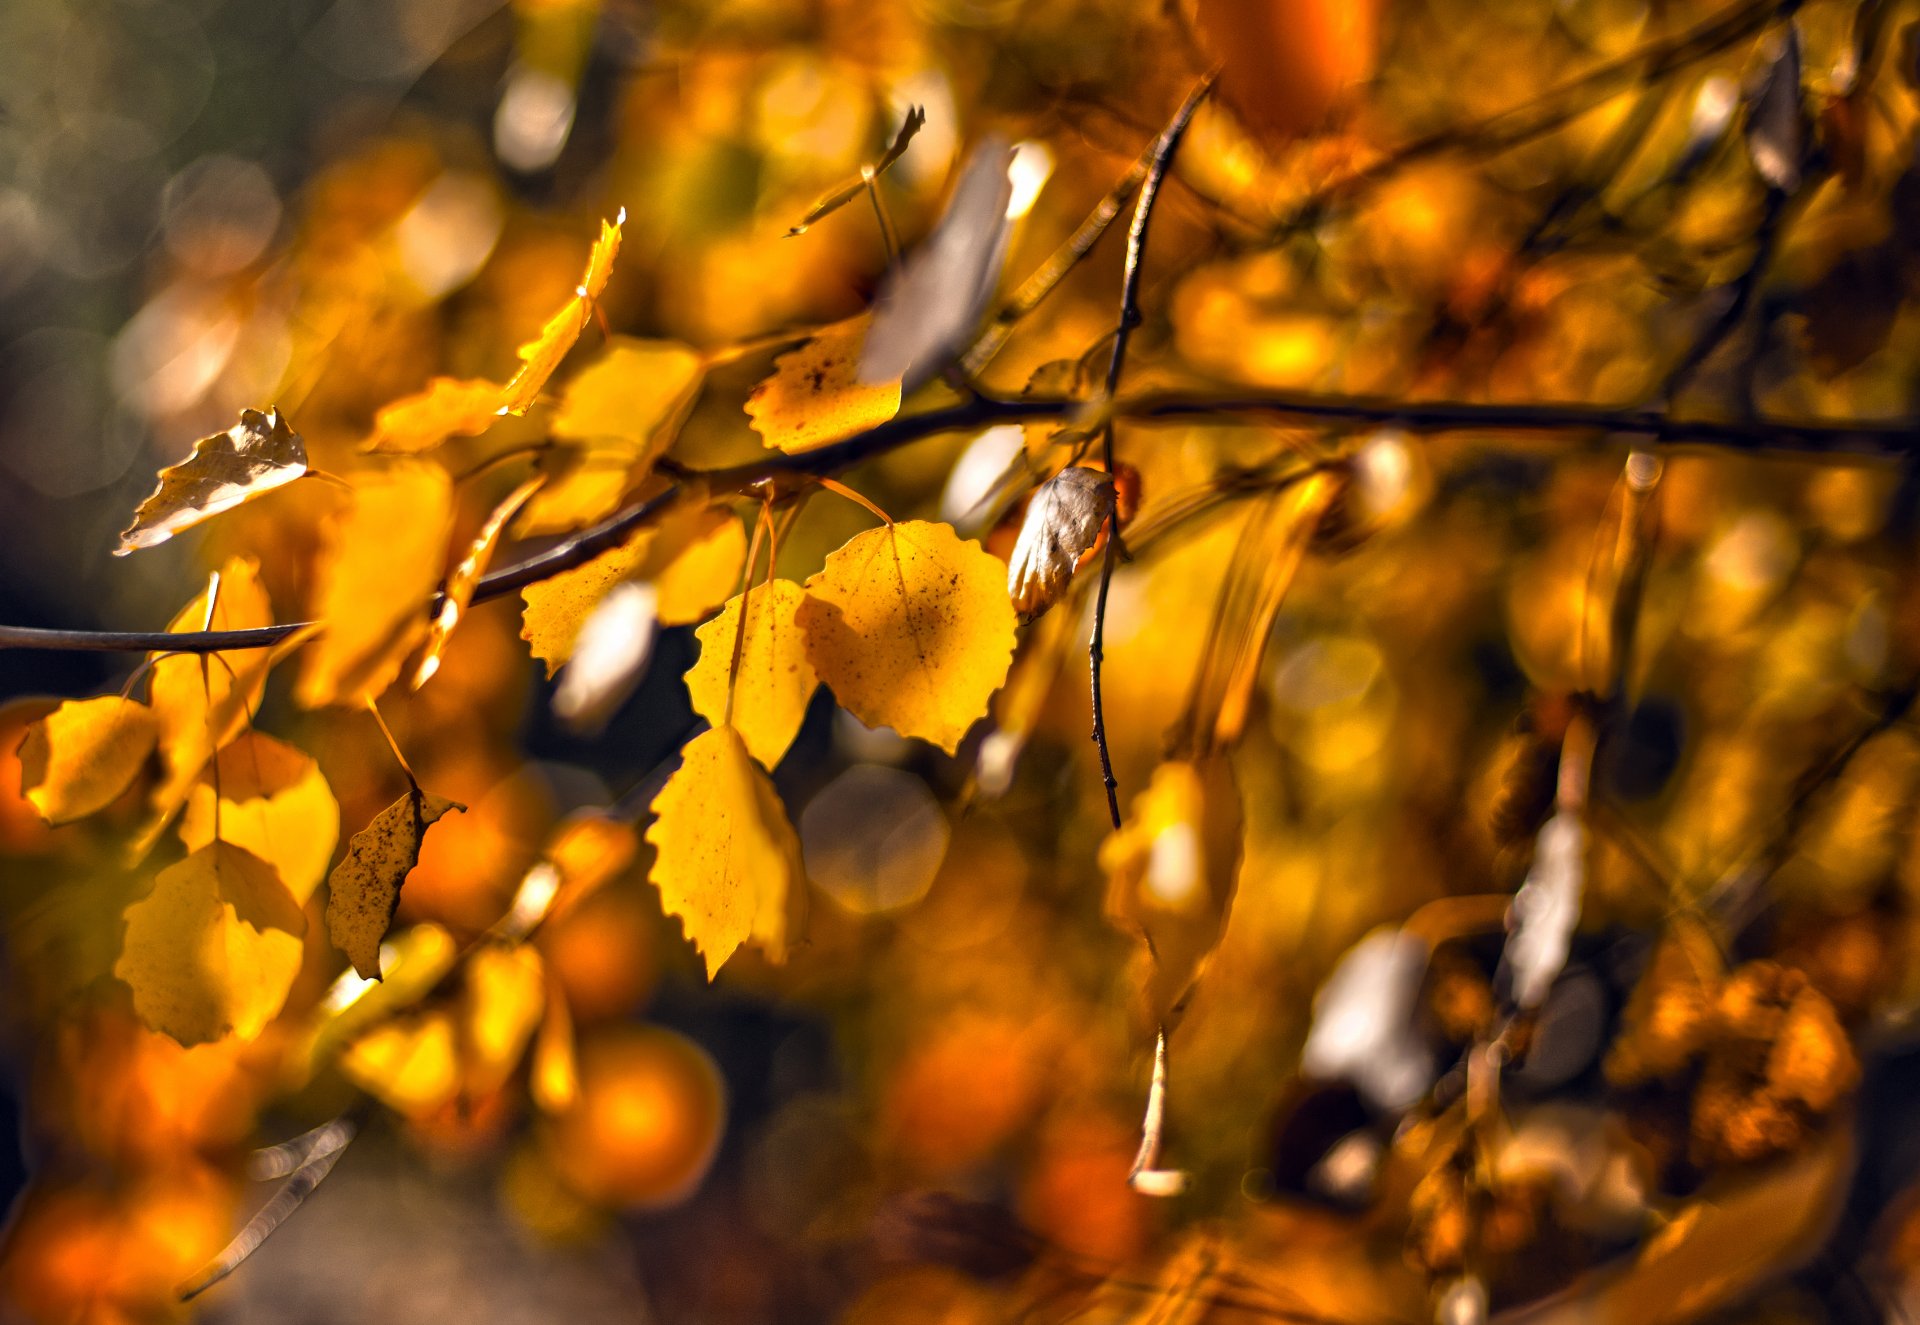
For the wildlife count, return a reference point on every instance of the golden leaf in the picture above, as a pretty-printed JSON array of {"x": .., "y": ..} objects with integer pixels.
[
  {"x": 840, "y": 195},
  {"x": 364, "y": 890},
  {"x": 814, "y": 398},
  {"x": 775, "y": 680},
  {"x": 84, "y": 754},
  {"x": 726, "y": 858},
  {"x": 636, "y": 392},
  {"x": 693, "y": 557},
  {"x": 541, "y": 355},
  {"x": 911, "y": 627},
  {"x": 554, "y": 1080},
  {"x": 505, "y": 997},
  {"x": 274, "y": 802},
  {"x": 584, "y": 486},
  {"x": 460, "y": 585},
  {"x": 255, "y": 456},
  {"x": 382, "y": 564},
  {"x": 449, "y": 407},
  {"x": 213, "y": 949},
  {"x": 410, "y": 1064}
]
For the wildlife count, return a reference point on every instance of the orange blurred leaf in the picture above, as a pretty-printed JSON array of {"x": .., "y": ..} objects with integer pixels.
[
  {"x": 449, "y": 407},
  {"x": 84, "y": 754}
]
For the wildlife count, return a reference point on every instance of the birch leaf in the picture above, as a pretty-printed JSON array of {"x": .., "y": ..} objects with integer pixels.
[
  {"x": 274, "y": 802},
  {"x": 448, "y": 407},
  {"x": 504, "y": 999},
  {"x": 458, "y": 594},
  {"x": 726, "y": 857},
  {"x": 214, "y": 948},
  {"x": 364, "y": 890},
  {"x": 255, "y": 456},
  {"x": 541, "y": 355},
  {"x": 775, "y": 681},
  {"x": 83, "y": 755},
  {"x": 636, "y": 393},
  {"x": 842, "y": 194},
  {"x": 911, "y": 627},
  {"x": 1062, "y": 523},
  {"x": 380, "y": 570},
  {"x": 814, "y": 397}
]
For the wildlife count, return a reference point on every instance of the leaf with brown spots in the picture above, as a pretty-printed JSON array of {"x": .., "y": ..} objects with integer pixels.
[
  {"x": 364, "y": 888},
  {"x": 255, "y": 456},
  {"x": 814, "y": 397}
]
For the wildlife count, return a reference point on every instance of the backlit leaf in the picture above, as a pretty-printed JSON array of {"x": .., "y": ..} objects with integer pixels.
[
  {"x": 449, "y": 407},
  {"x": 382, "y": 564},
  {"x": 840, "y": 195},
  {"x": 411, "y": 1064},
  {"x": 460, "y": 585},
  {"x": 213, "y": 949},
  {"x": 505, "y": 997},
  {"x": 555, "y": 1078},
  {"x": 636, "y": 392},
  {"x": 255, "y": 456},
  {"x": 1062, "y": 523},
  {"x": 911, "y": 627},
  {"x": 364, "y": 890},
  {"x": 80, "y": 757},
  {"x": 541, "y": 355},
  {"x": 775, "y": 680},
  {"x": 727, "y": 858},
  {"x": 273, "y": 801},
  {"x": 692, "y": 556},
  {"x": 814, "y": 398}
]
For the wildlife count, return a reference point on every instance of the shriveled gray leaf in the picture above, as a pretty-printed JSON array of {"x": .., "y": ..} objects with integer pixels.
[{"x": 1063, "y": 520}]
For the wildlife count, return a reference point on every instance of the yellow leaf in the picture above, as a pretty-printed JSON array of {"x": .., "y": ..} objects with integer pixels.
[
  {"x": 911, "y": 627},
  {"x": 215, "y": 946},
  {"x": 382, "y": 564},
  {"x": 555, "y": 1079},
  {"x": 583, "y": 487},
  {"x": 814, "y": 399},
  {"x": 775, "y": 680},
  {"x": 460, "y": 585},
  {"x": 636, "y": 392},
  {"x": 449, "y": 407},
  {"x": 255, "y": 456},
  {"x": 726, "y": 858},
  {"x": 204, "y": 701},
  {"x": 588, "y": 850},
  {"x": 693, "y": 556},
  {"x": 411, "y": 1065},
  {"x": 273, "y": 801},
  {"x": 84, "y": 754},
  {"x": 364, "y": 890},
  {"x": 541, "y": 355},
  {"x": 505, "y": 997}
]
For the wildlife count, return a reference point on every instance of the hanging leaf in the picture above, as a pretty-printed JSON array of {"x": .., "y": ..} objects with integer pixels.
[
  {"x": 255, "y": 456},
  {"x": 449, "y": 407},
  {"x": 460, "y": 585},
  {"x": 726, "y": 858},
  {"x": 364, "y": 890},
  {"x": 815, "y": 398},
  {"x": 775, "y": 680},
  {"x": 504, "y": 999},
  {"x": 692, "y": 557},
  {"x": 83, "y": 755},
  {"x": 911, "y": 627},
  {"x": 378, "y": 573},
  {"x": 274, "y": 802},
  {"x": 931, "y": 305},
  {"x": 214, "y": 948},
  {"x": 636, "y": 392},
  {"x": 541, "y": 355},
  {"x": 842, "y": 194},
  {"x": 584, "y": 486},
  {"x": 609, "y": 657},
  {"x": 1062, "y": 523}
]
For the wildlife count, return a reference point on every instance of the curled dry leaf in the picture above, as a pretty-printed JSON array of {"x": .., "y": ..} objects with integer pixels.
[
  {"x": 541, "y": 355},
  {"x": 911, "y": 627},
  {"x": 364, "y": 888},
  {"x": 255, "y": 456},
  {"x": 213, "y": 949},
  {"x": 458, "y": 594},
  {"x": 931, "y": 305},
  {"x": 727, "y": 861},
  {"x": 609, "y": 656},
  {"x": 448, "y": 407},
  {"x": 840, "y": 195},
  {"x": 83, "y": 755},
  {"x": 1063, "y": 522},
  {"x": 775, "y": 680},
  {"x": 1546, "y": 910},
  {"x": 815, "y": 398}
]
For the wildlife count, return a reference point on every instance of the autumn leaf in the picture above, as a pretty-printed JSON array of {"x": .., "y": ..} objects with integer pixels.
[
  {"x": 83, "y": 755},
  {"x": 541, "y": 355},
  {"x": 410, "y": 1064},
  {"x": 255, "y": 456},
  {"x": 554, "y": 1077},
  {"x": 911, "y": 628},
  {"x": 364, "y": 890},
  {"x": 584, "y": 486},
  {"x": 775, "y": 680},
  {"x": 272, "y": 800},
  {"x": 1285, "y": 65},
  {"x": 1062, "y": 523},
  {"x": 213, "y": 949},
  {"x": 449, "y": 407},
  {"x": 455, "y": 598},
  {"x": 814, "y": 399},
  {"x": 726, "y": 858},
  {"x": 636, "y": 393},
  {"x": 504, "y": 1000},
  {"x": 692, "y": 557},
  {"x": 379, "y": 571},
  {"x": 840, "y": 195}
]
